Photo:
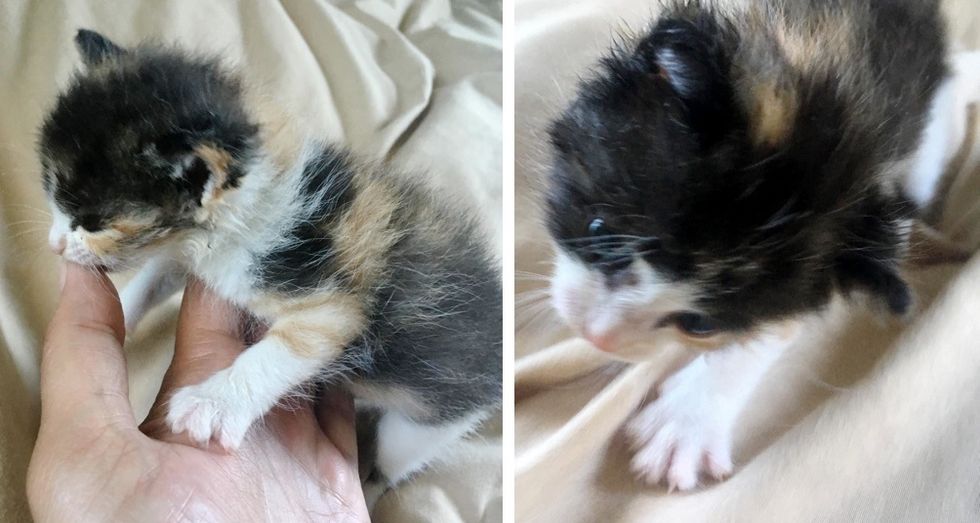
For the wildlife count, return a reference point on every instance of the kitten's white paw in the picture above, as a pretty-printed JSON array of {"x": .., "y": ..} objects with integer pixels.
[
  {"x": 209, "y": 411},
  {"x": 679, "y": 437}
]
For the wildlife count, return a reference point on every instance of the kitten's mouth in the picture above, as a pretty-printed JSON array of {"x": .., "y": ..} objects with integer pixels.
[
  {"x": 57, "y": 245},
  {"x": 101, "y": 266},
  {"x": 87, "y": 259}
]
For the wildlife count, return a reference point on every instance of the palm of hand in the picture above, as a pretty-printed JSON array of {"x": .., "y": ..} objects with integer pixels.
[{"x": 92, "y": 462}]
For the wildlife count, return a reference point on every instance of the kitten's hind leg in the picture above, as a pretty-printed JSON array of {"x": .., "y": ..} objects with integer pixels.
[
  {"x": 159, "y": 279},
  {"x": 405, "y": 446}
]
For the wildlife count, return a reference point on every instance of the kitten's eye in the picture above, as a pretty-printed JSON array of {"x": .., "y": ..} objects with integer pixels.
[
  {"x": 598, "y": 227},
  {"x": 694, "y": 324},
  {"x": 89, "y": 222}
]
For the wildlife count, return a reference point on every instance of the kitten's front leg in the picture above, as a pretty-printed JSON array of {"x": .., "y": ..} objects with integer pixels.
[
  {"x": 159, "y": 279},
  {"x": 296, "y": 348},
  {"x": 687, "y": 430}
]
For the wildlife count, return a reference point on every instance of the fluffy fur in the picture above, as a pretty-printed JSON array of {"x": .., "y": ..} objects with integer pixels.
[
  {"x": 723, "y": 175},
  {"x": 364, "y": 275}
]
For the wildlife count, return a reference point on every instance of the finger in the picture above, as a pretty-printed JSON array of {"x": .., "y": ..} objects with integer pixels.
[
  {"x": 83, "y": 369},
  {"x": 208, "y": 339},
  {"x": 335, "y": 415}
]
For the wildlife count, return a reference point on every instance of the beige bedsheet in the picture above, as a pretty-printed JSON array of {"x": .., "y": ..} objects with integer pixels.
[
  {"x": 864, "y": 421},
  {"x": 417, "y": 80}
]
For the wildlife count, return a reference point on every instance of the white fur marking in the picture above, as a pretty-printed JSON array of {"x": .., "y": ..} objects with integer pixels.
[
  {"x": 625, "y": 315},
  {"x": 687, "y": 430},
  {"x": 676, "y": 71},
  {"x": 251, "y": 220},
  {"x": 934, "y": 149},
  {"x": 60, "y": 228},
  {"x": 405, "y": 447}
]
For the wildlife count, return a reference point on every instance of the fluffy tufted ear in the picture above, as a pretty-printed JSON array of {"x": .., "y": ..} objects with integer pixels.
[
  {"x": 96, "y": 48},
  {"x": 689, "y": 55}
]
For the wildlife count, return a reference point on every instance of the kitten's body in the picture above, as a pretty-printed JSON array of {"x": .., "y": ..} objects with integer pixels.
[
  {"x": 724, "y": 175},
  {"x": 364, "y": 276}
]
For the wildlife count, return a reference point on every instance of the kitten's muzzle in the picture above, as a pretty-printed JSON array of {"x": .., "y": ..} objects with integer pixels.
[
  {"x": 57, "y": 241},
  {"x": 604, "y": 341}
]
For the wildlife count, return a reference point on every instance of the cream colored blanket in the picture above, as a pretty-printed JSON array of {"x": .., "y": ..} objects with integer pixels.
[
  {"x": 863, "y": 421},
  {"x": 418, "y": 81}
]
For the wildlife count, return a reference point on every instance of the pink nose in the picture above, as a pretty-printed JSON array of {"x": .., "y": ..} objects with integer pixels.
[
  {"x": 58, "y": 244},
  {"x": 604, "y": 341}
]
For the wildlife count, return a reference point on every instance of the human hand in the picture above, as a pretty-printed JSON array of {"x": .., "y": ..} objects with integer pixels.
[{"x": 92, "y": 462}]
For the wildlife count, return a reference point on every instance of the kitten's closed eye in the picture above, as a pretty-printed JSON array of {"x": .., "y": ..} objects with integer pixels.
[
  {"x": 692, "y": 324},
  {"x": 90, "y": 222}
]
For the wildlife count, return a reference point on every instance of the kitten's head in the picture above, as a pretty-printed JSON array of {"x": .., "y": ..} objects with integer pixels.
[
  {"x": 692, "y": 203},
  {"x": 138, "y": 148}
]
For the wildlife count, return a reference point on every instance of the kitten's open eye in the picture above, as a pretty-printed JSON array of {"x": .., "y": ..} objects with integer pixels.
[
  {"x": 89, "y": 222},
  {"x": 597, "y": 227},
  {"x": 693, "y": 324}
]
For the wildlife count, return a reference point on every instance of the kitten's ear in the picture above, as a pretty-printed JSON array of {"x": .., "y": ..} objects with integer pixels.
[
  {"x": 880, "y": 281},
  {"x": 96, "y": 48},
  {"x": 688, "y": 55}
]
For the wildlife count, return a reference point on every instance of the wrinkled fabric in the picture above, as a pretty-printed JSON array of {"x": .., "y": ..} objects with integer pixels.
[
  {"x": 418, "y": 81},
  {"x": 863, "y": 420}
]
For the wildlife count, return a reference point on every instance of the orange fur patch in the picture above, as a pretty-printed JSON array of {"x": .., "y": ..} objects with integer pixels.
[
  {"x": 101, "y": 243},
  {"x": 318, "y": 328},
  {"x": 106, "y": 241},
  {"x": 819, "y": 43},
  {"x": 217, "y": 160},
  {"x": 130, "y": 227},
  {"x": 364, "y": 234},
  {"x": 775, "y": 111}
]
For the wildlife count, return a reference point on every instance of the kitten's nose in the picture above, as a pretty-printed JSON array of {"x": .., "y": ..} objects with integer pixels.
[
  {"x": 57, "y": 243},
  {"x": 604, "y": 341}
]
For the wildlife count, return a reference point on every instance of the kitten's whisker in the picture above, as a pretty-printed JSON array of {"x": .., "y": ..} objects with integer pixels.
[
  {"x": 35, "y": 222},
  {"x": 529, "y": 297},
  {"x": 31, "y": 208},
  {"x": 40, "y": 233},
  {"x": 534, "y": 316},
  {"x": 531, "y": 276}
]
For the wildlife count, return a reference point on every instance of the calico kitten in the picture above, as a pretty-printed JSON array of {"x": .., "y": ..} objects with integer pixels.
[
  {"x": 722, "y": 176},
  {"x": 366, "y": 276}
]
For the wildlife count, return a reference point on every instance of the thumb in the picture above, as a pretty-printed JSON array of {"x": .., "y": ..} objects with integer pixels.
[{"x": 83, "y": 370}]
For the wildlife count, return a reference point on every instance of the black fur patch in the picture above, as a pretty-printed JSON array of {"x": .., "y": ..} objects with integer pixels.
[
  {"x": 306, "y": 258},
  {"x": 663, "y": 153}
]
